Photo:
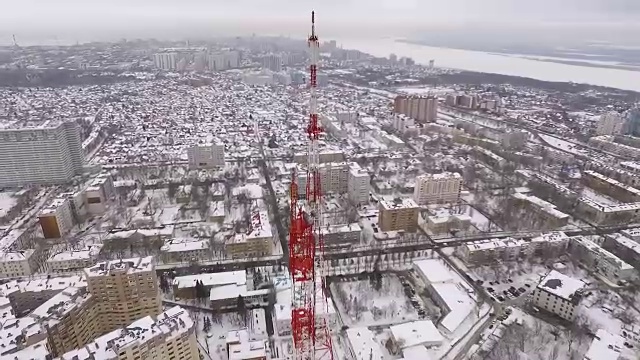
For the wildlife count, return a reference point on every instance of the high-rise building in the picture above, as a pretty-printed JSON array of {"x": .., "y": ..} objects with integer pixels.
[
  {"x": 611, "y": 123},
  {"x": 170, "y": 335},
  {"x": 633, "y": 121},
  {"x": 206, "y": 155},
  {"x": 166, "y": 60},
  {"x": 272, "y": 62},
  {"x": 399, "y": 214},
  {"x": 358, "y": 184},
  {"x": 46, "y": 154},
  {"x": 421, "y": 108},
  {"x": 126, "y": 290},
  {"x": 438, "y": 188}
]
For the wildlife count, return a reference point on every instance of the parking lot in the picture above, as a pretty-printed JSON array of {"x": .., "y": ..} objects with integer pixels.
[{"x": 425, "y": 308}]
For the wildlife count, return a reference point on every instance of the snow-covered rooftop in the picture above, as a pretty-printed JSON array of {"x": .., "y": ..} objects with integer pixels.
[
  {"x": 213, "y": 279},
  {"x": 560, "y": 285},
  {"x": 364, "y": 345},
  {"x": 605, "y": 346},
  {"x": 242, "y": 347},
  {"x": 130, "y": 266},
  {"x": 421, "y": 332}
]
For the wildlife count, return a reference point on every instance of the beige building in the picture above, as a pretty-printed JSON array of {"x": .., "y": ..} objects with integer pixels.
[
  {"x": 398, "y": 214},
  {"x": 256, "y": 242},
  {"x": 206, "y": 155},
  {"x": 74, "y": 260},
  {"x": 438, "y": 188},
  {"x": 421, "y": 108},
  {"x": 558, "y": 294},
  {"x": 126, "y": 290},
  {"x": 169, "y": 336}
]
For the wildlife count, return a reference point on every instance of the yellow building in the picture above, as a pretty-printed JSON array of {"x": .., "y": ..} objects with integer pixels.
[{"x": 399, "y": 214}]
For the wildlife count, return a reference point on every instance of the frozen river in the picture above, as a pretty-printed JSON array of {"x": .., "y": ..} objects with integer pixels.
[{"x": 498, "y": 64}]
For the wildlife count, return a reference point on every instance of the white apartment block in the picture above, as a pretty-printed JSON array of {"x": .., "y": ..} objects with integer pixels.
[
  {"x": 610, "y": 124},
  {"x": 558, "y": 294},
  {"x": 402, "y": 123},
  {"x": 272, "y": 62},
  {"x": 600, "y": 260},
  {"x": 170, "y": 336},
  {"x": 223, "y": 60},
  {"x": 56, "y": 219},
  {"x": 74, "y": 260},
  {"x": 509, "y": 249},
  {"x": 19, "y": 263},
  {"x": 607, "y": 143},
  {"x": 438, "y": 188},
  {"x": 338, "y": 235},
  {"x": 166, "y": 60},
  {"x": 47, "y": 154},
  {"x": 204, "y": 156},
  {"x": 185, "y": 250},
  {"x": 242, "y": 345},
  {"x": 358, "y": 185}
]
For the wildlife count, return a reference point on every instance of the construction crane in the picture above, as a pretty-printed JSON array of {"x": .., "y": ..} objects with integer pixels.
[{"x": 310, "y": 308}]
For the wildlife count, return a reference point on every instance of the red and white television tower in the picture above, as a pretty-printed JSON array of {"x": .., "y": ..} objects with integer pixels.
[{"x": 309, "y": 322}]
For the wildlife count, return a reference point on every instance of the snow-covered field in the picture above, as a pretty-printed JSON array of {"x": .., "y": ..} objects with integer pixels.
[{"x": 360, "y": 304}]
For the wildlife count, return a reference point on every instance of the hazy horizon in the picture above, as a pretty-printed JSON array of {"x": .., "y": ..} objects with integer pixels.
[{"x": 73, "y": 20}]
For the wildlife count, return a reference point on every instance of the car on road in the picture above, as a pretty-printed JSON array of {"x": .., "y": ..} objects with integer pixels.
[{"x": 500, "y": 298}]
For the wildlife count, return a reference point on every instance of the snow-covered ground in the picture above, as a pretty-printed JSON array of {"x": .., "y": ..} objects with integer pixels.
[
  {"x": 564, "y": 145},
  {"x": 361, "y": 305},
  {"x": 7, "y": 201},
  {"x": 598, "y": 197}
]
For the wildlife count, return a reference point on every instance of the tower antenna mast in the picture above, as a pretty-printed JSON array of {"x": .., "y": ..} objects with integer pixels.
[{"x": 310, "y": 308}]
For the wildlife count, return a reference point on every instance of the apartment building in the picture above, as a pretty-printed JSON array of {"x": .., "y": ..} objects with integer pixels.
[
  {"x": 443, "y": 222},
  {"x": 358, "y": 185},
  {"x": 206, "y": 155},
  {"x": 403, "y": 123},
  {"x": 438, "y": 188},
  {"x": 19, "y": 263},
  {"x": 185, "y": 250},
  {"x": 551, "y": 217},
  {"x": 342, "y": 235},
  {"x": 624, "y": 247},
  {"x": 49, "y": 153},
  {"x": 334, "y": 178},
  {"x": 170, "y": 335},
  {"x": 611, "y": 123},
  {"x": 256, "y": 242},
  {"x": 611, "y": 187},
  {"x": 165, "y": 60},
  {"x": 325, "y": 156},
  {"x": 398, "y": 214},
  {"x": 125, "y": 289},
  {"x": 73, "y": 260},
  {"x": 15, "y": 239},
  {"x": 56, "y": 219},
  {"x": 98, "y": 194},
  {"x": 491, "y": 250},
  {"x": 558, "y": 294},
  {"x": 608, "y": 143},
  {"x": 27, "y": 295},
  {"x": 421, "y": 108},
  {"x": 71, "y": 319},
  {"x": 272, "y": 62},
  {"x": 600, "y": 260}
]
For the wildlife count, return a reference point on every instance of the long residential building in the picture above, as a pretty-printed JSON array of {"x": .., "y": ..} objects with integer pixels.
[
  {"x": 47, "y": 154},
  {"x": 488, "y": 251},
  {"x": 600, "y": 261}
]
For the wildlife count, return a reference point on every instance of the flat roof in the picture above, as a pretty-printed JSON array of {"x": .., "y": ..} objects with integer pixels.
[
  {"x": 213, "y": 279},
  {"x": 560, "y": 285},
  {"x": 130, "y": 266},
  {"x": 363, "y": 344},
  {"x": 421, "y": 332}
]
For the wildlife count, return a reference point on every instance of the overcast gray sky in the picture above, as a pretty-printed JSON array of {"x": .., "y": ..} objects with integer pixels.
[{"x": 143, "y": 18}]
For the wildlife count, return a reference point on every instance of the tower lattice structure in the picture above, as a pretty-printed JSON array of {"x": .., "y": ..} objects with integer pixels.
[{"x": 310, "y": 308}]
